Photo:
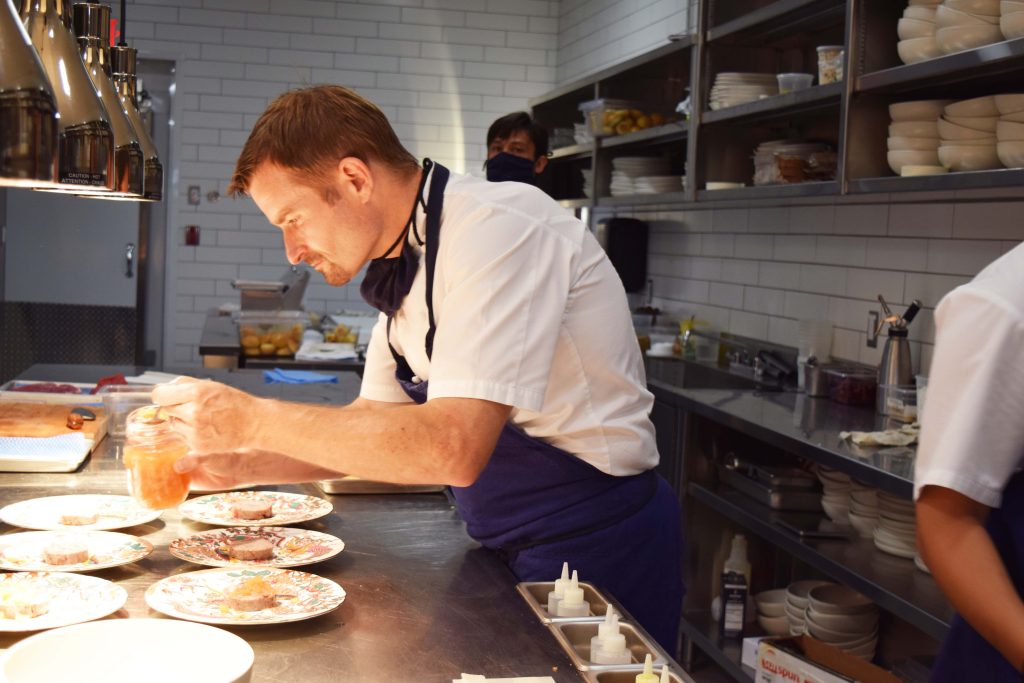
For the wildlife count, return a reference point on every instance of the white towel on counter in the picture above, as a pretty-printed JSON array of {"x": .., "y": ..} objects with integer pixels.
[
  {"x": 313, "y": 350},
  {"x": 62, "y": 453}
]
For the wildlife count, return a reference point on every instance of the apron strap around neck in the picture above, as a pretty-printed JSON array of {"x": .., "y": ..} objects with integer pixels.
[{"x": 435, "y": 204}]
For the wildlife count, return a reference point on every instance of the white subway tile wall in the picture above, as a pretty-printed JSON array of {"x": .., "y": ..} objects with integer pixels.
[
  {"x": 823, "y": 261},
  {"x": 442, "y": 70}
]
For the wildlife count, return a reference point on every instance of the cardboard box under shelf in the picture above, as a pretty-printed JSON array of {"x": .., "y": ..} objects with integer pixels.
[{"x": 802, "y": 658}]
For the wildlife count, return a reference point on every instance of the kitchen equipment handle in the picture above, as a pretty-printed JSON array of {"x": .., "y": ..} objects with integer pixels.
[
  {"x": 911, "y": 311},
  {"x": 129, "y": 259}
]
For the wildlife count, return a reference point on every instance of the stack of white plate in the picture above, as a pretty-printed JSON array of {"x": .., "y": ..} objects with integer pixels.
[
  {"x": 917, "y": 34},
  {"x": 842, "y": 617},
  {"x": 896, "y": 532},
  {"x": 914, "y": 137},
  {"x": 771, "y": 612},
  {"x": 797, "y": 602},
  {"x": 627, "y": 170},
  {"x": 657, "y": 184},
  {"x": 732, "y": 88},
  {"x": 1010, "y": 129},
  {"x": 966, "y": 24},
  {"x": 968, "y": 132},
  {"x": 836, "y": 499},
  {"x": 588, "y": 177},
  {"x": 863, "y": 509}
]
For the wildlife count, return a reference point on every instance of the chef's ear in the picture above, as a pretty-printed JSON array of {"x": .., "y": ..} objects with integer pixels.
[{"x": 356, "y": 177}]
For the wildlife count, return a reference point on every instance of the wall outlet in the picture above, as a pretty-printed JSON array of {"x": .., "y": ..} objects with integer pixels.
[
  {"x": 193, "y": 195},
  {"x": 872, "y": 326}
]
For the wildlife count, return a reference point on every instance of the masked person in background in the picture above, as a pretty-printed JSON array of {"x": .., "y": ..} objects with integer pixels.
[
  {"x": 968, "y": 474},
  {"x": 503, "y": 364},
  {"x": 517, "y": 149}
]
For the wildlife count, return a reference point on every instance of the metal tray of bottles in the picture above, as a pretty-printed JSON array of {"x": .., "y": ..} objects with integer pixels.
[
  {"x": 536, "y": 596},
  {"x": 574, "y": 637},
  {"x": 618, "y": 675}
]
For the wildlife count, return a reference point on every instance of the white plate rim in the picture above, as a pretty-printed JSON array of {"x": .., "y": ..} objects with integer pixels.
[
  {"x": 9, "y": 513},
  {"x": 323, "y": 507},
  {"x": 117, "y": 599},
  {"x": 5, "y": 541},
  {"x": 338, "y": 545}
]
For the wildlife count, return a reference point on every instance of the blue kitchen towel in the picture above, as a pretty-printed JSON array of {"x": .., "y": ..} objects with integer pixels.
[
  {"x": 63, "y": 447},
  {"x": 279, "y": 376}
]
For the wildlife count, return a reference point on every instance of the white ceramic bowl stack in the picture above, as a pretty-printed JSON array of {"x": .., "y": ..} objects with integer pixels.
[
  {"x": 914, "y": 137},
  {"x": 844, "y": 618},
  {"x": 968, "y": 132},
  {"x": 966, "y": 24},
  {"x": 771, "y": 612},
  {"x": 797, "y": 601},
  {"x": 835, "y": 501},
  {"x": 1010, "y": 129},
  {"x": 733, "y": 88},
  {"x": 626, "y": 171},
  {"x": 896, "y": 532},
  {"x": 1011, "y": 19},
  {"x": 863, "y": 509},
  {"x": 916, "y": 30}
]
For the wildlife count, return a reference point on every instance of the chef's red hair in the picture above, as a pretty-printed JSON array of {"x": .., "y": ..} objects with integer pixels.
[{"x": 308, "y": 131}]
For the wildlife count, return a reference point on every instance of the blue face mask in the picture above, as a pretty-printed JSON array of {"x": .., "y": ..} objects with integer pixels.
[{"x": 505, "y": 166}]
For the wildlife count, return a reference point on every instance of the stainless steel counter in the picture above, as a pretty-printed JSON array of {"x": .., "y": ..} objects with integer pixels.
[{"x": 424, "y": 602}]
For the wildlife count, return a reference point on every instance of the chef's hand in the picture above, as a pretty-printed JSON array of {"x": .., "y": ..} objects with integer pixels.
[
  {"x": 213, "y": 417},
  {"x": 246, "y": 467}
]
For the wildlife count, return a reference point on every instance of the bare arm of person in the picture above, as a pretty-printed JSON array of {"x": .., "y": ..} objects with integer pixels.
[
  {"x": 960, "y": 554},
  {"x": 444, "y": 441}
]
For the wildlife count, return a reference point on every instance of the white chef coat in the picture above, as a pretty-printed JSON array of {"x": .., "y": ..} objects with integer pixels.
[
  {"x": 972, "y": 438},
  {"x": 530, "y": 313}
]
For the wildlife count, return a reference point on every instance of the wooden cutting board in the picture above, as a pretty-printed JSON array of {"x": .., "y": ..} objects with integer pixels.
[{"x": 42, "y": 420}]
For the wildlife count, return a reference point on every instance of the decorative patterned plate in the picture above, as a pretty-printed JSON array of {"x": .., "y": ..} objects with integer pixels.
[
  {"x": 292, "y": 547},
  {"x": 24, "y": 551},
  {"x": 113, "y": 512},
  {"x": 200, "y": 596},
  {"x": 288, "y": 508},
  {"x": 70, "y": 599}
]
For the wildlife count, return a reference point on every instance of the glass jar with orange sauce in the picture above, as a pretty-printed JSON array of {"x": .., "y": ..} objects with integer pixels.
[{"x": 150, "y": 449}]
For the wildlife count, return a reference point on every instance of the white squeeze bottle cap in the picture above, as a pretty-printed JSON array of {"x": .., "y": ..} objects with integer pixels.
[
  {"x": 572, "y": 603},
  {"x": 648, "y": 675},
  {"x": 609, "y": 645},
  {"x": 555, "y": 596},
  {"x": 737, "y": 561},
  {"x": 664, "y": 675}
]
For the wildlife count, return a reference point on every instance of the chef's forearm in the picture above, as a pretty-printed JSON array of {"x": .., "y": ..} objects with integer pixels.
[
  {"x": 960, "y": 554},
  {"x": 407, "y": 444}
]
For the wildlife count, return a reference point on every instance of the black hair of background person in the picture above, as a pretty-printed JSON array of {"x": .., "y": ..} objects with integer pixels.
[{"x": 520, "y": 120}]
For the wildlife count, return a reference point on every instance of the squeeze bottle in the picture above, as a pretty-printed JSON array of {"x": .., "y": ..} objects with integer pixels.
[
  {"x": 572, "y": 603},
  {"x": 648, "y": 675},
  {"x": 555, "y": 596},
  {"x": 735, "y": 588},
  {"x": 609, "y": 645}
]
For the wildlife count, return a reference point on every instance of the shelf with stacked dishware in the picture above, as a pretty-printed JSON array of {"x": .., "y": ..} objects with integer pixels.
[{"x": 739, "y": 20}]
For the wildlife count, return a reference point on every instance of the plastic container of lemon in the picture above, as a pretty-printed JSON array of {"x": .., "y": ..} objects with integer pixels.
[
  {"x": 271, "y": 334},
  {"x": 606, "y": 116}
]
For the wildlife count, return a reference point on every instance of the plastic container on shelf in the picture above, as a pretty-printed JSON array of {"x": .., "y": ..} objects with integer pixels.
[
  {"x": 605, "y": 116},
  {"x": 271, "y": 334},
  {"x": 830, "y": 64},
  {"x": 792, "y": 82},
  {"x": 852, "y": 386},
  {"x": 899, "y": 402}
]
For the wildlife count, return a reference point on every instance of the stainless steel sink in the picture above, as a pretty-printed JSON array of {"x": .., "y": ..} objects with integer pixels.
[{"x": 688, "y": 374}]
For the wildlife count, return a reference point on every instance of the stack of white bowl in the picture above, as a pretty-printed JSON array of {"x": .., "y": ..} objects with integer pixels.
[
  {"x": 771, "y": 612},
  {"x": 797, "y": 601},
  {"x": 966, "y": 24},
  {"x": 1011, "y": 19},
  {"x": 896, "y": 532},
  {"x": 914, "y": 137},
  {"x": 626, "y": 171},
  {"x": 968, "y": 132},
  {"x": 863, "y": 509},
  {"x": 836, "y": 499},
  {"x": 916, "y": 30},
  {"x": 1010, "y": 129},
  {"x": 844, "y": 618},
  {"x": 732, "y": 88}
]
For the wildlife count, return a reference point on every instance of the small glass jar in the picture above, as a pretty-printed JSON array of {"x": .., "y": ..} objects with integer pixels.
[{"x": 150, "y": 449}]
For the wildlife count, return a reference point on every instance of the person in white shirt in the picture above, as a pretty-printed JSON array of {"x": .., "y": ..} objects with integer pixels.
[
  {"x": 968, "y": 479},
  {"x": 504, "y": 363}
]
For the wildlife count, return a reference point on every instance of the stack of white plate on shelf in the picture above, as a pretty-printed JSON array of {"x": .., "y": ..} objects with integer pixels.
[
  {"x": 896, "y": 532},
  {"x": 844, "y": 618},
  {"x": 588, "y": 177},
  {"x": 797, "y": 602},
  {"x": 916, "y": 30},
  {"x": 863, "y": 509},
  {"x": 914, "y": 137},
  {"x": 732, "y": 88},
  {"x": 966, "y": 24},
  {"x": 1010, "y": 128},
  {"x": 968, "y": 132},
  {"x": 836, "y": 499},
  {"x": 657, "y": 184},
  {"x": 626, "y": 171},
  {"x": 771, "y": 612}
]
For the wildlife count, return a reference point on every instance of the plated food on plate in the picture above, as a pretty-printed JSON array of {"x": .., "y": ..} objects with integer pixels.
[
  {"x": 254, "y": 508},
  {"x": 245, "y": 596},
  {"x": 270, "y": 546},
  {"x": 79, "y": 511},
  {"x": 32, "y": 601},
  {"x": 70, "y": 551}
]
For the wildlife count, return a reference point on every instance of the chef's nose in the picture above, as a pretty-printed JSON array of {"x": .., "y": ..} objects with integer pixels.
[{"x": 293, "y": 250}]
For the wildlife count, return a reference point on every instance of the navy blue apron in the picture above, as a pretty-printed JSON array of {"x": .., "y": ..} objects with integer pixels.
[
  {"x": 965, "y": 655},
  {"x": 539, "y": 506}
]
